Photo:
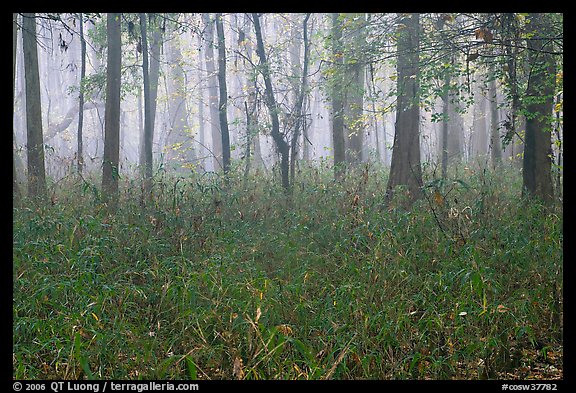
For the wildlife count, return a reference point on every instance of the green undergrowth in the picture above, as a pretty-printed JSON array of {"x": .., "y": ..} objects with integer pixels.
[{"x": 206, "y": 281}]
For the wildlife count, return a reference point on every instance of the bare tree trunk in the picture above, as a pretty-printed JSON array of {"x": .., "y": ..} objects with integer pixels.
[
  {"x": 445, "y": 123},
  {"x": 180, "y": 141},
  {"x": 110, "y": 170},
  {"x": 153, "y": 78},
  {"x": 148, "y": 128},
  {"x": 355, "y": 80},
  {"x": 80, "y": 152},
  {"x": 537, "y": 177},
  {"x": 479, "y": 132},
  {"x": 338, "y": 140},
  {"x": 299, "y": 105},
  {"x": 278, "y": 137},
  {"x": 405, "y": 168},
  {"x": 223, "y": 97},
  {"x": 212, "y": 91},
  {"x": 16, "y": 197},
  {"x": 495, "y": 143},
  {"x": 35, "y": 143}
]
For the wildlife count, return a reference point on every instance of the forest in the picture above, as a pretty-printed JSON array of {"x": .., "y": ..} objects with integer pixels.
[{"x": 282, "y": 196}]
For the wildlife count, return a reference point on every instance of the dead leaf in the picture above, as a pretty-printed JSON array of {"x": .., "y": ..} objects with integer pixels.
[
  {"x": 438, "y": 198},
  {"x": 237, "y": 370}
]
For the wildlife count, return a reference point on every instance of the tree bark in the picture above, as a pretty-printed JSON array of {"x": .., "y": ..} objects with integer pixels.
[
  {"x": 180, "y": 141},
  {"x": 79, "y": 137},
  {"x": 355, "y": 80},
  {"x": 277, "y": 136},
  {"x": 110, "y": 169},
  {"x": 495, "y": 142},
  {"x": 539, "y": 98},
  {"x": 35, "y": 143},
  {"x": 15, "y": 188},
  {"x": 338, "y": 140},
  {"x": 405, "y": 167},
  {"x": 212, "y": 91},
  {"x": 223, "y": 96},
  {"x": 148, "y": 128},
  {"x": 300, "y": 122}
]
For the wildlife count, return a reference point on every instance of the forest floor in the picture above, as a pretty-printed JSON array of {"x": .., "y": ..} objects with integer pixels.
[{"x": 330, "y": 283}]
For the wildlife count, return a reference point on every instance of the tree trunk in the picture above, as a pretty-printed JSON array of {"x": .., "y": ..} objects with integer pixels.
[
  {"x": 15, "y": 188},
  {"x": 495, "y": 143},
  {"x": 405, "y": 167},
  {"x": 212, "y": 91},
  {"x": 537, "y": 177},
  {"x": 445, "y": 124},
  {"x": 35, "y": 143},
  {"x": 223, "y": 98},
  {"x": 479, "y": 131},
  {"x": 355, "y": 80},
  {"x": 153, "y": 77},
  {"x": 110, "y": 170},
  {"x": 148, "y": 128},
  {"x": 302, "y": 91},
  {"x": 79, "y": 137},
  {"x": 278, "y": 137},
  {"x": 338, "y": 140},
  {"x": 180, "y": 141}
]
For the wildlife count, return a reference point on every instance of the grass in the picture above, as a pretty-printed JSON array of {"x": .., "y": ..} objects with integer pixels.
[{"x": 328, "y": 284}]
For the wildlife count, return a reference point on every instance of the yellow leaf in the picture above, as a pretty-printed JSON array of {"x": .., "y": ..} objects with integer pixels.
[
  {"x": 258, "y": 314},
  {"x": 284, "y": 329},
  {"x": 237, "y": 370},
  {"x": 438, "y": 198}
]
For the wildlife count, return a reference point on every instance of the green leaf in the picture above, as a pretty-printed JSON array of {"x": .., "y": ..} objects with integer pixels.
[
  {"x": 81, "y": 358},
  {"x": 191, "y": 368}
]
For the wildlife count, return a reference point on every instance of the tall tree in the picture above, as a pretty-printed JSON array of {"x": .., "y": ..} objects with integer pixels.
[
  {"x": 277, "y": 136},
  {"x": 302, "y": 91},
  {"x": 153, "y": 77},
  {"x": 539, "y": 102},
  {"x": 405, "y": 168},
  {"x": 180, "y": 144},
  {"x": 223, "y": 96},
  {"x": 337, "y": 98},
  {"x": 80, "y": 152},
  {"x": 15, "y": 188},
  {"x": 479, "y": 136},
  {"x": 148, "y": 126},
  {"x": 212, "y": 90},
  {"x": 354, "y": 82},
  {"x": 495, "y": 143},
  {"x": 110, "y": 164},
  {"x": 35, "y": 142}
]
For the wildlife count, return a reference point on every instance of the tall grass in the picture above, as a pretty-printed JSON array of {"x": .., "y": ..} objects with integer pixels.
[{"x": 244, "y": 283}]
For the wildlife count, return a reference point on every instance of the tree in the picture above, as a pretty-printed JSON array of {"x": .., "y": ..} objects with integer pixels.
[
  {"x": 354, "y": 87},
  {"x": 223, "y": 97},
  {"x": 110, "y": 164},
  {"x": 495, "y": 143},
  {"x": 153, "y": 76},
  {"x": 148, "y": 125},
  {"x": 80, "y": 152},
  {"x": 405, "y": 168},
  {"x": 539, "y": 102},
  {"x": 35, "y": 143},
  {"x": 337, "y": 96},
  {"x": 302, "y": 91},
  {"x": 270, "y": 100},
  {"x": 212, "y": 90},
  {"x": 180, "y": 141},
  {"x": 15, "y": 188}
]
